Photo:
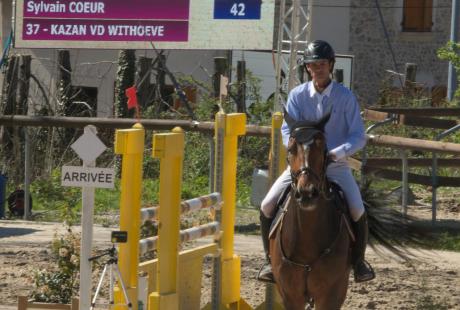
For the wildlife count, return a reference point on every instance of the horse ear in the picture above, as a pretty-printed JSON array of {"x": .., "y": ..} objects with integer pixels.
[
  {"x": 323, "y": 121},
  {"x": 289, "y": 120}
]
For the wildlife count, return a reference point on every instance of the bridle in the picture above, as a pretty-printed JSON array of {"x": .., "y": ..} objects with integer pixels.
[{"x": 305, "y": 169}]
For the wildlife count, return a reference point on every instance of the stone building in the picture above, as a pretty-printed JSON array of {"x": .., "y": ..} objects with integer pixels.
[{"x": 411, "y": 30}]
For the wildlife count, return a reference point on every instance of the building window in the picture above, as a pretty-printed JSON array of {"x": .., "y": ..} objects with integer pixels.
[
  {"x": 84, "y": 102},
  {"x": 417, "y": 15}
]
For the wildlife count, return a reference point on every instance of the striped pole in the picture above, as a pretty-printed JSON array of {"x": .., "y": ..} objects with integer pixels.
[
  {"x": 150, "y": 244},
  {"x": 213, "y": 201}
]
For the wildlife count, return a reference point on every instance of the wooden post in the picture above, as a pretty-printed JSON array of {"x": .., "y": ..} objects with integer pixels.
[
  {"x": 404, "y": 182},
  {"x": 220, "y": 68},
  {"x": 22, "y": 103},
  {"x": 241, "y": 78}
]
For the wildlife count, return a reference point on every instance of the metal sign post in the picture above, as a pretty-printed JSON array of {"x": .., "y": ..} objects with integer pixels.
[{"x": 88, "y": 147}]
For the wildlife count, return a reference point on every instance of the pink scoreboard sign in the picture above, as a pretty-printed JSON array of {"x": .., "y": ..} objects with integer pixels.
[
  {"x": 102, "y": 20},
  {"x": 139, "y": 23}
]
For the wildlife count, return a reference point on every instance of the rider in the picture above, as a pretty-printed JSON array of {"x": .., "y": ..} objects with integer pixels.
[{"x": 344, "y": 135}]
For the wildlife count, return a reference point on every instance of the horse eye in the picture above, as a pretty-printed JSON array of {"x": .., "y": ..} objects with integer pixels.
[{"x": 292, "y": 149}]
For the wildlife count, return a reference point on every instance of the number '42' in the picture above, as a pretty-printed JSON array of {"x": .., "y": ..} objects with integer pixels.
[{"x": 238, "y": 9}]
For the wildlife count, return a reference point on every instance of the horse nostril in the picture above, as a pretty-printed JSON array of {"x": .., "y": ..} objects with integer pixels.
[
  {"x": 315, "y": 192},
  {"x": 297, "y": 195}
]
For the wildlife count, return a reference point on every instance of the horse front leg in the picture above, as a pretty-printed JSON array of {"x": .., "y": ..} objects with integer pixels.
[
  {"x": 291, "y": 285},
  {"x": 292, "y": 299},
  {"x": 334, "y": 296}
]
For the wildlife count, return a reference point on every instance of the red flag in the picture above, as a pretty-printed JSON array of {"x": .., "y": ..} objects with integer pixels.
[{"x": 131, "y": 93}]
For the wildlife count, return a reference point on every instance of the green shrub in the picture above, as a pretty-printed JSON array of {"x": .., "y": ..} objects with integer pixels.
[{"x": 59, "y": 285}]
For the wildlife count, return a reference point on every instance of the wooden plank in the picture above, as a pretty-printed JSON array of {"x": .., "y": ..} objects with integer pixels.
[
  {"x": 119, "y": 123},
  {"x": 75, "y": 304},
  {"x": 413, "y": 178},
  {"x": 354, "y": 163},
  {"x": 22, "y": 302},
  {"x": 427, "y": 122},
  {"x": 413, "y": 162},
  {"x": 410, "y": 120},
  {"x": 376, "y": 116},
  {"x": 37, "y": 305},
  {"x": 420, "y": 111},
  {"x": 414, "y": 144}
]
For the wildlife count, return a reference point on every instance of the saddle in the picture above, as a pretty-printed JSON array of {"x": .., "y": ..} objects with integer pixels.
[{"x": 339, "y": 201}]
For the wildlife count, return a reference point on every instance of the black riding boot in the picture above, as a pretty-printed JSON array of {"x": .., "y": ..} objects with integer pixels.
[
  {"x": 362, "y": 269},
  {"x": 265, "y": 272}
]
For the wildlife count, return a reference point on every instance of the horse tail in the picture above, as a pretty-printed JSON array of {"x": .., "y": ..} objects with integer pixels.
[{"x": 389, "y": 228}]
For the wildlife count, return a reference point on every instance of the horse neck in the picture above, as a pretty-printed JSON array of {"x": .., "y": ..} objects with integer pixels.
[{"x": 312, "y": 231}]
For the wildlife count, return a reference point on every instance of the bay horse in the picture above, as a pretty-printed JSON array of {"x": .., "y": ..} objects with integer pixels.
[{"x": 310, "y": 246}]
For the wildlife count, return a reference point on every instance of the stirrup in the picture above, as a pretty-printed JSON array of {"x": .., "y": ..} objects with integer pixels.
[
  {"x": 265, "y": 273},
  {"x": 363, "y": 277}
]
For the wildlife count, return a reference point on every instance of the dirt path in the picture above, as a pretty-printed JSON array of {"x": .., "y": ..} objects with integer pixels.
[{"x": 433, "y": 282}]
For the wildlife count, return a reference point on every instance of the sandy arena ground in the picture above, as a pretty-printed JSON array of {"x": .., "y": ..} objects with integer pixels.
[{"x": 433, "y": 282}]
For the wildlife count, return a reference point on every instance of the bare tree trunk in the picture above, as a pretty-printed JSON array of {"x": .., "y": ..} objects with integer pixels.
[
  {"x": 160, "y": 85},
  {"x": 9, "y": 90},
  {"x": 241, "y": 82},
  {"x": 64, "y": 83},
  {"x": 125, "y": 79},
  {"x": 144, "y": 89}
]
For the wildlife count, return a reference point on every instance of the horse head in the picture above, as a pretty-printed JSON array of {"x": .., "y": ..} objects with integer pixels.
[{"x": 307, "y": 158}]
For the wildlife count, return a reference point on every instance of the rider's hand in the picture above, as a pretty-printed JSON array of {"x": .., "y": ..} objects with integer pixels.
[{"x": 332, "y": 156}]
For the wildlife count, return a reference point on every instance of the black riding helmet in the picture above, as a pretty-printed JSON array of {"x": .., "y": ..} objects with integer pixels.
[{"x": 318, "y": 50}]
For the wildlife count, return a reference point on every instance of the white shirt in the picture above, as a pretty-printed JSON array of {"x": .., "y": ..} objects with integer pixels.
[
  {"x": 321, "y": 98},
  {"x": 345, "y": 129}
]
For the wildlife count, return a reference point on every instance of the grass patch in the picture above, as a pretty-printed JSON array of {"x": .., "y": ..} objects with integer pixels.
[{"x": 446, "y": 241}]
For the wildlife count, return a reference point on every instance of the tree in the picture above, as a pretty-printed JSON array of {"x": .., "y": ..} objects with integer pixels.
[
  {"x": 125, "y": 79},
  {"x": 451, "y": 53}
]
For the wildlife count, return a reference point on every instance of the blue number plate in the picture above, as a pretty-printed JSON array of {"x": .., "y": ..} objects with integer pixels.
[{"x": 237, "y": 9}]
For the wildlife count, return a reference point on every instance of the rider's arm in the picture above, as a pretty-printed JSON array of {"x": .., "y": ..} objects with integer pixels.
[{"x": 353, "y": 124}]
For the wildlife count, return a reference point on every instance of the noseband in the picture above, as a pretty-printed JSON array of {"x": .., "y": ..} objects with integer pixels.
[{"x": 304, "y": 171}]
